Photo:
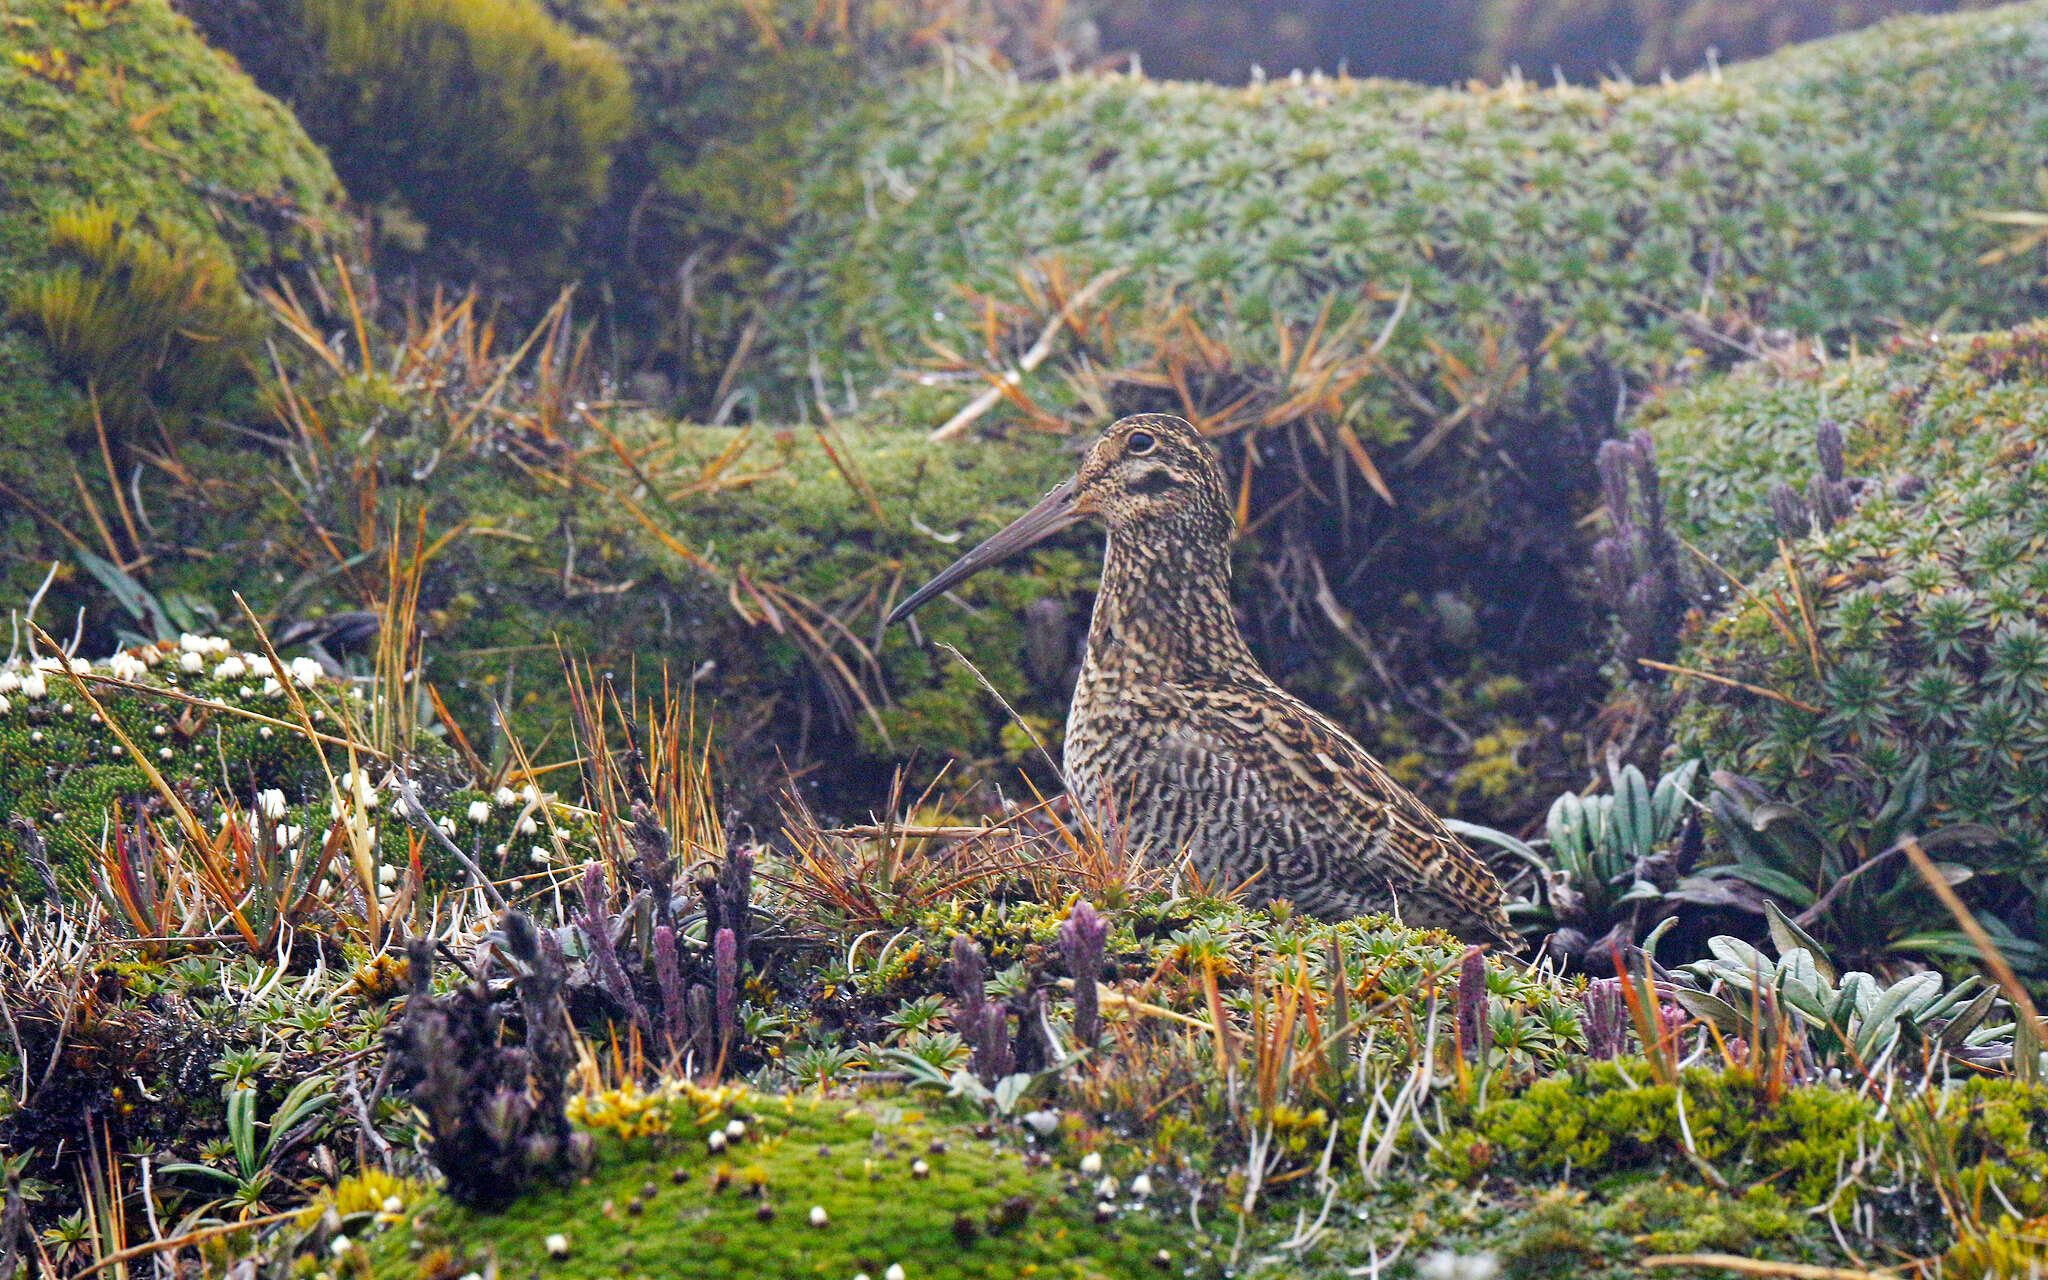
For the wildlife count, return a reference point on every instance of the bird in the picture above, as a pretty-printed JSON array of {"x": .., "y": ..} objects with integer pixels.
[{"x": 1178, "y": 738}]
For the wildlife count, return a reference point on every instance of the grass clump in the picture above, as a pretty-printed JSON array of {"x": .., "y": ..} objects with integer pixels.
[{"x": 138, "y": 321}]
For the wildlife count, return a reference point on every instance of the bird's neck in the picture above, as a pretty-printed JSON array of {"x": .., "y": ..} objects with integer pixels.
[{"x": 1164, "y": 610}]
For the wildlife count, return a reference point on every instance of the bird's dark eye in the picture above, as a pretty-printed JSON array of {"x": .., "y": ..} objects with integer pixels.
[{"x": 1140, "y": 444}]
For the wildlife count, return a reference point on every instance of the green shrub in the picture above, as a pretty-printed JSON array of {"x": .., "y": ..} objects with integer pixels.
[
  {"x": 1592, "y": 39},
  {"x": 1929, "y": 602},
  {"x": 489, "y": 119}
]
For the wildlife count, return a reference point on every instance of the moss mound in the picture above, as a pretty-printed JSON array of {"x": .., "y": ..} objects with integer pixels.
[
  {"x": 899, "y": 1187},
  {"x": 1818, "y": 190},
  {"x": 120, "y": 105},
  {"x": 1929, "y": 631}
]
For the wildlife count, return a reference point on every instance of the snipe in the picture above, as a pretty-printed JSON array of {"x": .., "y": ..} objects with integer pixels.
[{"x": 1176, "y": 735}]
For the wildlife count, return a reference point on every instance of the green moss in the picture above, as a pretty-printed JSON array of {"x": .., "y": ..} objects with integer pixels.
[
  {"x": 1613, "y": 1118},
  {"x": 487, "y": 117},
  {"x": 143, "y": 117},
  {"x": 745, "y": 1210}
]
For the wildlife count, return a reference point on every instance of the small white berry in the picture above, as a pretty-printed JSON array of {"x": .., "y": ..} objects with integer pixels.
[
  {"x": 165, "y": 752},
  {"x": 507, "y": 796},
  {"x": 33, "y": 686},
  {"x": 717, "y": 1140},
  {"x": 736, "y": 1129},
  {"x": 341, "y": 1246},
  {"x": 387, "y": 875},
  {"x": 920, "y": 1169},
  {"x": 557, "y": 1246},
  {"x": 479, "y": 811},
  {"x": 895, "y": 1272},
  {"x": 818, "y": 1216},
  {"x": 527, "y": 826},
  {"x": 192, "y": 662},
  {"x": 1091, "y": 1164},
  {"x": 35, "y": 735},
  {"x": 392, "y": 1204},
  {"x": 1141, "y": 1186},
  {"x": 270, "y": 804},
  {"x": 263, "y": 731}
]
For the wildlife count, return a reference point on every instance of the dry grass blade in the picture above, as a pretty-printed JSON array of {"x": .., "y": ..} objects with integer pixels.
[{"x": 1763, "y": 1267}]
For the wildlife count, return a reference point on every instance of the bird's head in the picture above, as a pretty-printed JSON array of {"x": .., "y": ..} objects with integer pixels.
[{"x": 1152, "y": 471}]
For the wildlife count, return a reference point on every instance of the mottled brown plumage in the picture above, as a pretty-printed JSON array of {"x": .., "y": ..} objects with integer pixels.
[{"x": 1178, "y": 738}]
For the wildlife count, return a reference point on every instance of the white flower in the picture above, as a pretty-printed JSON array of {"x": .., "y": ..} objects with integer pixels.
[
  {"x": 189, "y": 643},
  {"x": 736, "y": 1129},
  {"x": 479, "y": 811},
  {"x": 230, "y": 668},
  {"x": 270, "y": 804},
  {"x": 1445, "y": 1265},
  {"x": 305, "y": 671},
  {"x": 895, "y": 1272},
  {"x": 165, "y": 752},
  {"x": 538, "y": 855},
  {"x": 716, "y": 1141},
  {"x": 36, "y": 736},
  {"x": 126, "y": 666},
  {"x": 218, "y": 645},
  {"x": 531, "y": 793},
  {"x": 387, "y": 875},
  {"x": 160, "y": 731},
  {"x": 919, "y": 1169},
  {"x": 5, "y": 705},
  {"x": 10, "y": 681},
  {"x": 1091, "y": 1164},
  {"x": 1104, "y": 1208},
  {"x": 33, "y": 687},
  {"x": 192, "y": 662},
  {"x": 1106, "y": 1188},
  {"x": 557, "y": 1245},
  {"x": 507, "y": 796},
  {"x": 263, "y": 731},
  {"x": 447, "y": 826},
  {"x": 289, "y": 835},
  {"x": 271, "y": 688},
  {"x": 341, "y": 1246},
  {"x": 527, "y": 826},
  {"x": 818, "y": 1215},
  {"x": 1141, "y": 1186},
  {"x": 392, "y": 1204}
]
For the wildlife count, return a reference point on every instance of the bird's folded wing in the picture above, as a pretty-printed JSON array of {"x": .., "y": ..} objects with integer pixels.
[{"x": 1242, "y": 739}]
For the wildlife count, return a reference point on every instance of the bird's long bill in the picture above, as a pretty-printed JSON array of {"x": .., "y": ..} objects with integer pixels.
[{"x": 1053, "y": 513}]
